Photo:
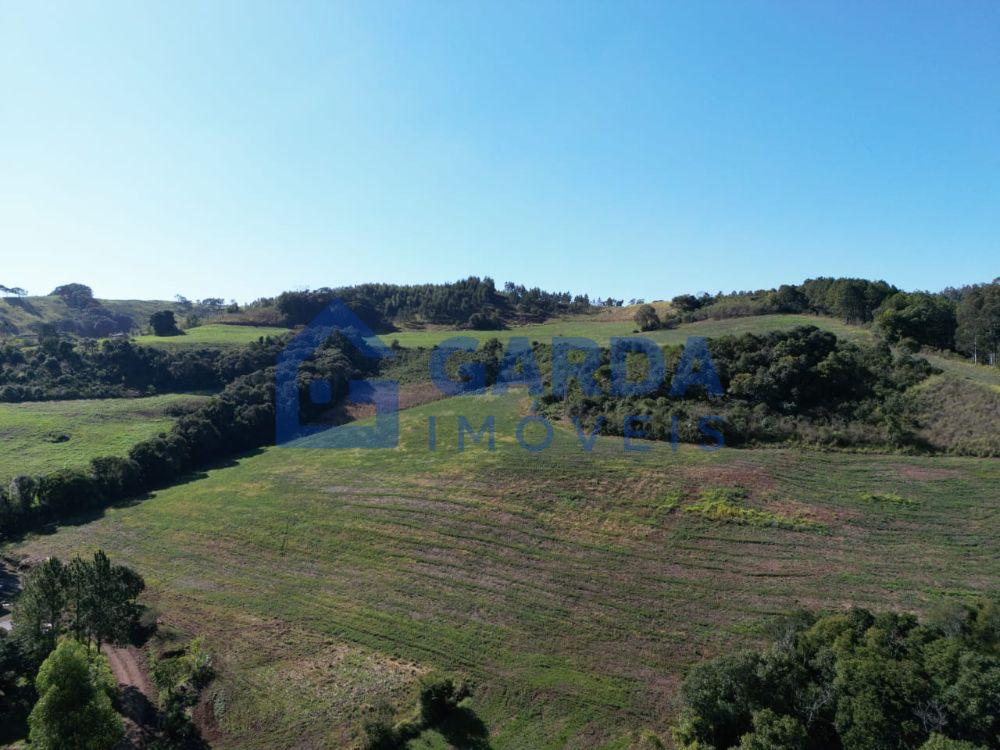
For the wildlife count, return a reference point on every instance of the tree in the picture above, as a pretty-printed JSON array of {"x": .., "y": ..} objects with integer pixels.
[
  {"x": 65, "y": 490},
  {"x": 686, "y": 302},
  {"x": 774, "y": 732},
  {"x": 102, "y": 600},
  {"x": 940, "y": 742},
  {"x": 924, "y": 318},
  {"x": 75, "y": 295},
  {"x": 38, "y": 611},
  {"x": 17, "y": 695},
  {"x": 163, "y": 323},
  {"x": 978, "y": 332},
  {"x": 646, "y": 318},
  {"x": 74, "y": 710},
  {"x": 16, "y": 291},
  {"x": 438, "y": 698},
  {"x": 853, "y": 680},
  {"x": 95, "y": 600}
]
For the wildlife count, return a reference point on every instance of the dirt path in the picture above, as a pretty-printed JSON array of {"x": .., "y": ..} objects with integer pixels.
[
  {"x": 126, "y": 666},
  {"x": 137, "y": 703}
]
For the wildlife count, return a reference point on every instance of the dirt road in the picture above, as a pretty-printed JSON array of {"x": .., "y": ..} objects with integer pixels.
[{"x": 128, "y": 666}]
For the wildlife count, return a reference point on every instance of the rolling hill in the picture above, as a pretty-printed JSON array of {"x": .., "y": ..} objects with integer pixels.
[{"x": 571, "y": 588}]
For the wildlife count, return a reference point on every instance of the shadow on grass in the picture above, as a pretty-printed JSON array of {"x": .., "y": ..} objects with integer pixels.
[{"x": 463, "y": 729}]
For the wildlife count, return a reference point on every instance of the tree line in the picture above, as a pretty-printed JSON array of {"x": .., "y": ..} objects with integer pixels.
[
  {"x": 240, "y": 418},
  {"x": 473, "y": 303},
  {"x": 965, "y": 320}
]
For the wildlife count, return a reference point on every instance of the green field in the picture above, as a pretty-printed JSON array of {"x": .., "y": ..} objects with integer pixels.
[
  {"x": 22, "y": 316},
  {"x": 43, "y": 436},
  {"x": 602, "y": 331},
  {"x": 214, "y": 335},
  {"x": 967, "y": 371},
  {"x": 572, "y": 588}
]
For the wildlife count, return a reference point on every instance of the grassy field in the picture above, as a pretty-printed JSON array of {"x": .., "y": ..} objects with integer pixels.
[
  {"x": 42, "y": 436},
  {"x": 601, "y": 330},
  {"x": 21, "y": 316},
  {"x": 967, "y": 371},
  {"x": 572, "y": 587},
  {"x": 213, "y": 336}
]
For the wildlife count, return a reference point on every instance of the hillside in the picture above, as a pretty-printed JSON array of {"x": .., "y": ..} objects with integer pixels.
[
  {"x": 214, "y": 336},
  {"x": 25, "y": 316},
  {"x": 43, "y": 437},
  {"x": 573, "y": 588},
  {"x": 599, "y": 328}
]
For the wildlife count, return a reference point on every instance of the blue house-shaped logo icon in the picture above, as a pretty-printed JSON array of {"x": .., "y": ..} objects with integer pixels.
[{"x": 383, "y": 394}]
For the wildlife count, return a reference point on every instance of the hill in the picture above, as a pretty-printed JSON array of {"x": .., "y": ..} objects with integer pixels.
[
  {"x": 213, "y": 335},
  {"x": 27, "y": 315},
  {"x": 601, "y": 327},
  {"x": 572, "y": 588}
]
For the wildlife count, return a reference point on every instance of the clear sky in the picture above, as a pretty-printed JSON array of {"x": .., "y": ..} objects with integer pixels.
[{"x": 237, "y": 149}]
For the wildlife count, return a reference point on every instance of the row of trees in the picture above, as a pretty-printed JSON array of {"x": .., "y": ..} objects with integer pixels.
[
  {"x": 967, "y": 320},
  {"x": 978, "y": 330},
  {"x": 240, "y": 418},
  {"x": 378, "y": 305},
  {"x": 854, "y": 681}
]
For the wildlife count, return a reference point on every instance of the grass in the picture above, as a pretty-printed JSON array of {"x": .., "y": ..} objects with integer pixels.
[
  {"x": 958, "y": 414},
  {"x": 566, "y": 585},
  {"x": 43, "y": 436},
  {"x": 213, "y": 335},
  {"x": 964, "y": 369},
  {"x": 25, "y": 315},
  {"x": 729, "y": 505},
  {"x": 886, "y": 497},
  {"x": 602, "y": 330}
]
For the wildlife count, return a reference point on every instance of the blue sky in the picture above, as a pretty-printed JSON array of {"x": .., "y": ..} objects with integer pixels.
[{"x": 237, "y": 149}]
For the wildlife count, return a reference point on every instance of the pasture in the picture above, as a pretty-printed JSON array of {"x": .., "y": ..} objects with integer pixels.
[
  {"x": 43, "y": 436},
  {"x": 213, "y": 336},
  {"x": 572, "y": 588},
  {"x": 601, "y": 330}
]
